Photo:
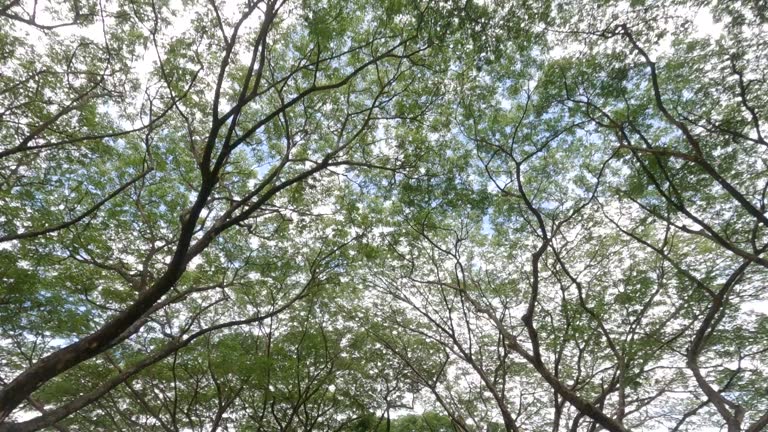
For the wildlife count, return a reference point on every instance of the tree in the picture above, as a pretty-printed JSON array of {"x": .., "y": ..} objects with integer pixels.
[
  {"x": 471, "y": 216},
  {"x": 233, "y": 128}
]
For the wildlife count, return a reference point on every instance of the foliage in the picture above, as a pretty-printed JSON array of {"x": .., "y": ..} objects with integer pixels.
[{"x": 284, "y": 215}]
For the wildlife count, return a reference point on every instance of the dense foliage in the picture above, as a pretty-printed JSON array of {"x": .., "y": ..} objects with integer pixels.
[{"x": 383, "y": 215}]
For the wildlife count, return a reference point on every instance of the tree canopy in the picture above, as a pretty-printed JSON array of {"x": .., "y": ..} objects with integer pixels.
[{"x": 383, "y": 215}]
